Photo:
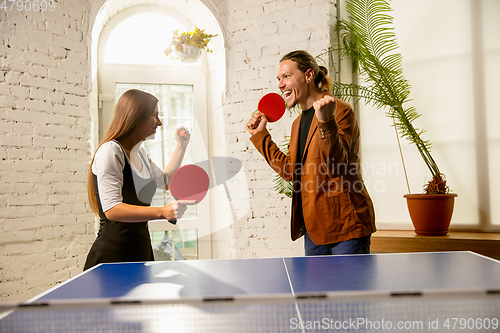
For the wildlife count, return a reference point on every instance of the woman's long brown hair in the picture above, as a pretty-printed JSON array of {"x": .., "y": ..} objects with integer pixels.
[{"x": 132, "y": 109}]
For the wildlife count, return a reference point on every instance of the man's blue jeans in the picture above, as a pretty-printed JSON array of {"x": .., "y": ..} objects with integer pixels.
[{"x": 353, "y": 246}]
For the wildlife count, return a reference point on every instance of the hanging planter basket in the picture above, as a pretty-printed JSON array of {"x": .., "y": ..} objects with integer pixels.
[
  {"x": 187, "y": 46},
  {"x": 189, "y": 53},
  {"x": 431, "y": 213}
]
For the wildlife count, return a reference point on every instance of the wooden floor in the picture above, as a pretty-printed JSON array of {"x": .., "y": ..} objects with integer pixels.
[{"x": 400, "y": 241}]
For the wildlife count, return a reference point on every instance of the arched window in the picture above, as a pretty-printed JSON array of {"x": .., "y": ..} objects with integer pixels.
[{"x": 130, "y": 55}]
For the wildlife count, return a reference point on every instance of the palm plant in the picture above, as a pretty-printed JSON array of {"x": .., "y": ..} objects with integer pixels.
[
  {"x": 280, "y": 185},
  {"x": 369, "y": 40}
]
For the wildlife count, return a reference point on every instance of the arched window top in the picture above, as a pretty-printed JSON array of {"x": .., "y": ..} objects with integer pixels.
[{"x": 141, "y": 39}]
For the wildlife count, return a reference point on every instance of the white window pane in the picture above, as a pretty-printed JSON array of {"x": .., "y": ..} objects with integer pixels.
[
  {"x": 184, "y": 241},
  {"x": 180, "y": 101},
  {"x": 141, "y": 39},
  {"x": 122, "y": 87}
]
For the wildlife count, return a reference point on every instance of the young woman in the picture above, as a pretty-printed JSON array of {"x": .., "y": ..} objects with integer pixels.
[
  {"x": 330, "y": 204},
  {"x": 122, "y": 181}
]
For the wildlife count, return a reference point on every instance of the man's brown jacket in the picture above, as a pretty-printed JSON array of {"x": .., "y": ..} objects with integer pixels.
[{"x": 335, "y": 203}]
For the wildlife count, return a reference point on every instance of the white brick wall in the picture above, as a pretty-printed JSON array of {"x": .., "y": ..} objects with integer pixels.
[
  {"x": 46, "y": 227},
  {"x": 259, "y": 33}
]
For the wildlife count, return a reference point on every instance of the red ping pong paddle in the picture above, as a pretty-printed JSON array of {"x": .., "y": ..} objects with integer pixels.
[
  {"x": 273, "y": 106},
  {"x": 189, "y": 182}
]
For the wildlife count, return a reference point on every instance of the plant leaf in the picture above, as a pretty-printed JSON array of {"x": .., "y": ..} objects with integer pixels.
[{"x": 369, "y": 40}]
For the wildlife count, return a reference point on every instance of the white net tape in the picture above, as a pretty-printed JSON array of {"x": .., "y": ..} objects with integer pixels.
[{"x": 436, "y": 313}]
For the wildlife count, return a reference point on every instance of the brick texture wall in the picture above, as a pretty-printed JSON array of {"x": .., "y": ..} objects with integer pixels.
[
  {"x": 46, "y": 226},
  {"x": 259, "y": 33}
]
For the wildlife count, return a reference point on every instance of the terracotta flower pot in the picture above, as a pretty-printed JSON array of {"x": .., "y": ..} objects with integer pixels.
[{"x": 431, "y": 214}]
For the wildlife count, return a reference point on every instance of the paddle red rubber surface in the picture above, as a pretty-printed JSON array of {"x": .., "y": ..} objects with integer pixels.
[
  {"x": 189, "y": 182},
  {"x": 273, "y": 106}
]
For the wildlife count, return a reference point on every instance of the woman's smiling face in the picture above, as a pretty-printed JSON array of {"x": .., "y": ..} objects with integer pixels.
[{"x": 148, "y": 128}]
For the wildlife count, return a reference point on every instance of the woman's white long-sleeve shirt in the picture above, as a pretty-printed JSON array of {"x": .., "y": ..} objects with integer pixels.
[{"x": 108, "y": 165}]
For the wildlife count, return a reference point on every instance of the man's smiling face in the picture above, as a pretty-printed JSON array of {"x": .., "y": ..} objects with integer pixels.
[{"x": 292, "y": 83}]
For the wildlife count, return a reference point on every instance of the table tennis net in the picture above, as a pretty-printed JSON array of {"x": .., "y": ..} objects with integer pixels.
[{"x": 396, "y": 313}]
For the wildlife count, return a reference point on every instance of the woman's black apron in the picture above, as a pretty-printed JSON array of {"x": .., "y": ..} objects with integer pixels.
[{"x": 124, "y": 241}]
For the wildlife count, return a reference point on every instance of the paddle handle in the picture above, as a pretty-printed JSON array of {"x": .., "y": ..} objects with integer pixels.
[{"x": 174, "y": 222}]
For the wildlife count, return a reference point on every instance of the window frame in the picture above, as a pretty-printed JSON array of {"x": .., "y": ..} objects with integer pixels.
[{"x": 109, "y": 74}]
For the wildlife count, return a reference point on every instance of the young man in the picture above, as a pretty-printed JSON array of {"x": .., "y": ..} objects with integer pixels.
[{"x": 330, "y": 204}]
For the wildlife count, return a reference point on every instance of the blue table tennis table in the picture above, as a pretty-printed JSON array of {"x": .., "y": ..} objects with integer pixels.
[{"x": 420, "y": 292}]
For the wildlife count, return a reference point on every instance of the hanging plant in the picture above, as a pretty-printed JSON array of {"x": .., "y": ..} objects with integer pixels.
[{"x": 189, "y": 44}]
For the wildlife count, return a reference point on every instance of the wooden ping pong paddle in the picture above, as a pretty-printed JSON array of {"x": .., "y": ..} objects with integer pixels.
[
  {"x": 273, "y": 106},
  {"x": 189, "y": 182}
]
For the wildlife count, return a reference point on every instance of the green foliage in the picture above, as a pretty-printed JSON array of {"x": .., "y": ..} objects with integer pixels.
[
  {"x": 368, "y": 39},
  {"x": 280, "y": 185}
]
